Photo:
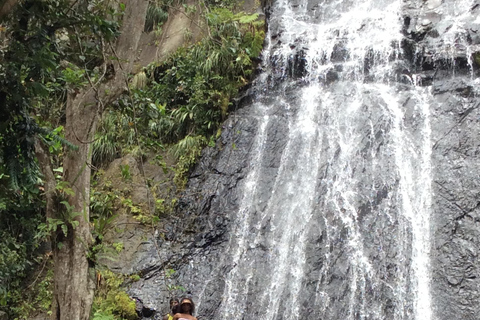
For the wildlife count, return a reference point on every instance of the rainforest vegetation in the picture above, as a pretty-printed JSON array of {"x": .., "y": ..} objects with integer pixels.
[{"x": 74, "y": 97}]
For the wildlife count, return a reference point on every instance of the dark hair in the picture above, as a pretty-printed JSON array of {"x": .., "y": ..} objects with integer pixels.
[
  {"x": 175, "y": 309},
  {"x": 192, "y": 309}
]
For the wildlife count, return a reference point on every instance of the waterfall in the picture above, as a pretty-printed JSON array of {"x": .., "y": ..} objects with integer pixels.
[
  {"x": 347, "y": 186},
  {"x": 347, "y": 93}
]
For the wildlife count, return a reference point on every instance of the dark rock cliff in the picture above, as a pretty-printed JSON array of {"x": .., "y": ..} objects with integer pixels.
[{"x": 195, "y": 242}]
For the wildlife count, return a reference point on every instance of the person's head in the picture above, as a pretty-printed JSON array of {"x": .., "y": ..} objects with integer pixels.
[
  {"x": 173, "y": 303},
  {"x": 187, "y": 306}
]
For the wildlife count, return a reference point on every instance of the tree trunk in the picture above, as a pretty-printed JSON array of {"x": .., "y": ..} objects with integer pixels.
[
  {"x": 74, "y": 286},
  {"x": 5, "y": 7},
  {"x": 73, "y": 277}
]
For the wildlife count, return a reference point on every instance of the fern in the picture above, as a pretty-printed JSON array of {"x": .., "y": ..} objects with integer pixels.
[
  {"x": 14, "y": 172},
  {"x": 189, "y": 145},
  {"x": 106, "y": 145},
  {"x": 246, "y": 19},
  {"x": 52, "y": 136},
  {"x": 156, "y": 15}
]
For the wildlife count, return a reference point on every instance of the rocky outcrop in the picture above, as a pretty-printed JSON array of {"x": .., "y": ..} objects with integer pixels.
[
  {"x": 138, "y": 186},
  {"x": 199, "y": 231}
]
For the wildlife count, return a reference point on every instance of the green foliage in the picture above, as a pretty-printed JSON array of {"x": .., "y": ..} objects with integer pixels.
[
  {"x": 13, "y": 264},
  {"x": 125, "y": 172},
  {"x": 74, "y": 78},
  {"x": 141, "y": 215},
  {"x": 19, "y": 216},
  {"x": 230, "y": 4},
  {"x": 45, "y": 292},
  {"x": 187, "y": 152},
  {"x": 37, "y": 298},
  {"x": 196, "y": 84},
  {"x": 186, "y": 97},
  {"x": 118, "y": 246},
  {"x": 189, "y": 94},
  {"x": 114, "y": 133},
  {"x": 55, "y": 140},
  {"x": 33, "y": 82},
  {"x": 111, "y": 301},
  {"x": 102, "y": 205},
  {"x": 53, "y": 226},
  {"x": 56, "y": 229},
  {"x": 173, "y": 288},
  {"x": 135, "y": 277},
  {"x": 54, "y": 48},
  {"x": 157, "y": 14}
]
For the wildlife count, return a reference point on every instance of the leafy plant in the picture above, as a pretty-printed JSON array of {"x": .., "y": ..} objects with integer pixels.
[
  {"x": 111, "y": 301},
  {"x": 125, "y": 169},
  {"x": 173, "y": 288},
  {"x": 157, "y": 14},
  {"x": 187, "y": 151},
  {"x": 37, "y": 296},
  {"x": 102, "y": 204},
  {"x": 118, "y": 246},
  {"x": 196, "y": 84},
  {"x": 13, "y": 264},
  {"x": 107, "y": 144},
  {"x": 35, "y": 74}
]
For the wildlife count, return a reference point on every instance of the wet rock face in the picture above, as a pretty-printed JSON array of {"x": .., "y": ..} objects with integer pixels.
[
  {"x": 455, "y": 130},
  {"x": 442, "y": 43},
  {"x": 194, "y": 243},
  {"x": 456, "y": 213},
  {"x": 198, "y": 234}
]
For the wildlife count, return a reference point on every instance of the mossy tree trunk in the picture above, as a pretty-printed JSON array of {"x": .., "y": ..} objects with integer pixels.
[{"x": 73, "y": 276}]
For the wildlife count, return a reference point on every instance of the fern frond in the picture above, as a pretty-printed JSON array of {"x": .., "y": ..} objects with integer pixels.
[
  {"x": 51, "y": 135},
  {"x": 14, "y": 172},
  {"x": 155, "y": 16},
  {"x": 188, "y": 145}
]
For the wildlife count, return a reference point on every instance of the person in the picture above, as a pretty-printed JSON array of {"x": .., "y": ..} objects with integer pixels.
[
  {"x": 173, "y": 308},
  {"x": 185, "y": 310}
]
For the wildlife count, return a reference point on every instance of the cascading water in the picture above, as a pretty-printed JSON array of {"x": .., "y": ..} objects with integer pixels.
[
  {"x": 347, "y": 53},
  {"x": 325, "y": 183}
]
